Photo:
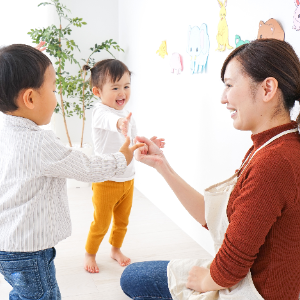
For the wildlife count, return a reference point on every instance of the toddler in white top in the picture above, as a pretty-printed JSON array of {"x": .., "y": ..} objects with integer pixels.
[{"x": 111, "y": 124}]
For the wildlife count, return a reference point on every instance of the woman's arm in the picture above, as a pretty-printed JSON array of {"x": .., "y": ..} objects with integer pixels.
[{"x": 192, "y": 200}]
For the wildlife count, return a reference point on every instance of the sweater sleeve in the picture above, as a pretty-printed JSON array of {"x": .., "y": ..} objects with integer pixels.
[
  {"x": 60, "y": 161},
  {"x": 262, "y": 199}
]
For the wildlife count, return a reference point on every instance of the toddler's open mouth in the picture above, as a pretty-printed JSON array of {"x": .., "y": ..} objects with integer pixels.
[{"x": 120, "y": 102}]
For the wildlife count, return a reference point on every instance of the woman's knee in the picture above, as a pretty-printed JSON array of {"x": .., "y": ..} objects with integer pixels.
[{"x": 142, "y": 277}]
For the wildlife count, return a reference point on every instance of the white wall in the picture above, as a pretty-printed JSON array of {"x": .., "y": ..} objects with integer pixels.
[{"x": 201, "y": 143}]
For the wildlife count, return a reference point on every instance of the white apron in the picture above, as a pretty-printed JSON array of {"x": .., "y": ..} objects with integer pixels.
[{"x": 216, "y": 200}]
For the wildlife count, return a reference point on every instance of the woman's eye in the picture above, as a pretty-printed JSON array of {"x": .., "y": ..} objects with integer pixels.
[
  {"x": 54, "y": 91},
  {"x": 115, "y": 89},
  {"x": 127, "y": 87},
  {"x": 228, "y": 85}
]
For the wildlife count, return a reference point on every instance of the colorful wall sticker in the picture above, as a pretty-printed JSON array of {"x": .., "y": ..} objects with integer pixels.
[
  {"x": 222, "y": 36},
  {"x": 296, "y": 24},
  {"x": 239, "y": 41},
  {"x": 198, "y": 48},
  {"x": 270, "y": 30},
  {"x": 176, "y": 63},
  {"x": 162, "y": 51}
]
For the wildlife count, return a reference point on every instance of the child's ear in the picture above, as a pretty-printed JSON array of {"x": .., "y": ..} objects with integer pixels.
[
  {"x": 96, "y": 91},
  {"x": 27, "y": 98}
]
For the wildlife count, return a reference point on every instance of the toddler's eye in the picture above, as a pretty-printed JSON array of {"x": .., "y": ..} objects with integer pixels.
[
  {"x": 54, "y": 91},
  {"x": 127, "y": 87}
]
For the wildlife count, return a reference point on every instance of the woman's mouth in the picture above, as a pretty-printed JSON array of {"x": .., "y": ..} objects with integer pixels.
[
  {"x": 232, "y": 112},
  {"x": 120, "y": 102}
]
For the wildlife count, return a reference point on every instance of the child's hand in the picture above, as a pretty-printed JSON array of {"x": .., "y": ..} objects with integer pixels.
[
  {"x": 123, "y": 124},
  {"x": 40, "y": 46},
  {"x": 158, "y": 142},
  {"x": 128, "y": 152}
]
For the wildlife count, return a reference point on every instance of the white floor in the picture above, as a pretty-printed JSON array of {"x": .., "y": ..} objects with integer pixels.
[{"x": 151, "y": 236}]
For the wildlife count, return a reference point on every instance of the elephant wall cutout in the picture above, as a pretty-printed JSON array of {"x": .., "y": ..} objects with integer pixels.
[{"x": 198, "y": 48}]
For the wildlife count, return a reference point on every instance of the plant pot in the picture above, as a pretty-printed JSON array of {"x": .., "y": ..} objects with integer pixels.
[{"x": 88, "y": 150}]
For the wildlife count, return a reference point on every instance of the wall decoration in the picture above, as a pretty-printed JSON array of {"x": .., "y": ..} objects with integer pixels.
[
  {"x": 270, "y": 30},
  {"x": 176, "y": 63},
  {"x": 239, "y": 41},
  {"x": 198, "y": 48},
  {"x": 162, "y": 51},
  {"x": 296, "y": 24},
  {"x": 222, "y": 36}
]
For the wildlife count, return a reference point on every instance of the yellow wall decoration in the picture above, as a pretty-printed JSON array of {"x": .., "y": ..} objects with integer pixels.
[
  {"x": 162, "y": 51},
  {"x": 222, "y": 36}
]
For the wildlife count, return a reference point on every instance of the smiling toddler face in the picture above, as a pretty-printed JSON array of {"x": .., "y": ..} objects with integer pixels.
[{"x": 116, "y": 94}]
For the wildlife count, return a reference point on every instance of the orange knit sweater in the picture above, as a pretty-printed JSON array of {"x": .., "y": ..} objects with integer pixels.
[{"x": 264, "y": 220}]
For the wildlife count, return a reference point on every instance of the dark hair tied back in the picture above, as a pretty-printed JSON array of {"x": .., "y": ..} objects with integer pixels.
[
  {"x": 86, "y": 68},
  {"x": 107, "y": 70},
  {"x": 264, "y": 58}
]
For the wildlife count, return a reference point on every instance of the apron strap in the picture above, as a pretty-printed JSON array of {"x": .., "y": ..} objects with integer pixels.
[{"x": 264, "y": 145}]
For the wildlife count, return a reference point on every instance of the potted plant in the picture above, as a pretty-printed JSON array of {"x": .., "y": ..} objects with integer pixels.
[{"x": 74, "y": 95}]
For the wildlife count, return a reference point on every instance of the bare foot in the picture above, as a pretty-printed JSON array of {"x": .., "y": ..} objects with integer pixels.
[
  {"x": 119, "y": 257},
  {"x": 90, "y": 263}
]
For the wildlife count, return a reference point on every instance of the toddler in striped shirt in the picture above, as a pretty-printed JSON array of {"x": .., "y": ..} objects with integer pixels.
[{"x": 34, "y": 164}]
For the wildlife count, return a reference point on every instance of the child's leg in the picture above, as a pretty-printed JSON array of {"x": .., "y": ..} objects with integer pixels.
[
  {"x": 105, "y": 196},
  {"x": 121, "y": 214},
  {"x": 31, "y": 274}
]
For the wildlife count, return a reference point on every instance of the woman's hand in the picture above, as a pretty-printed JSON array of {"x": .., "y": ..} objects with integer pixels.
[
  {"x": 153, "y": 157},
  {"x": 128, "y": 152},
  {"x": 40, "y": 46},
  {"x": 201, "y": 281},
  {"x": 195, "y": 279},
  {"x": 123, "y": 124}
]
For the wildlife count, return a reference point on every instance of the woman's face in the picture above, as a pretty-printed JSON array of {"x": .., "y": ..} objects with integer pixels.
[{"x": 240, "y": 97}]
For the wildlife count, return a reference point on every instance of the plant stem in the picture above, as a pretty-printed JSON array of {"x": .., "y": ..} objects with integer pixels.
[
  {"x": 61, "y": 97},
  {"x": 83, "y": 108}
]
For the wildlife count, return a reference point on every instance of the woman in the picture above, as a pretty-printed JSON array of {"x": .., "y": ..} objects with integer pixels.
[{"x": 253, "y": 217}]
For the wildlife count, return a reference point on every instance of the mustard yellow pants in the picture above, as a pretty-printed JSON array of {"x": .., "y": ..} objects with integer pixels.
[{"x": 110, "y": 199}]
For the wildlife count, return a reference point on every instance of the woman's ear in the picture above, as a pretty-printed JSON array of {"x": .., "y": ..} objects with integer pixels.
[
  {"x": 269, "y": 88},
  {"x": 96, "y": 91}
]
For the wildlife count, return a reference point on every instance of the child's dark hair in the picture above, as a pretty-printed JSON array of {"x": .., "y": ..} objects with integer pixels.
[
  {"x": 21, "y": 67},
  {"x": 104, "y": 69}
]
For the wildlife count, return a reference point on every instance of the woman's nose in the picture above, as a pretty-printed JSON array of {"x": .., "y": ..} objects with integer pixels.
[{"x": 224, "y": 99}]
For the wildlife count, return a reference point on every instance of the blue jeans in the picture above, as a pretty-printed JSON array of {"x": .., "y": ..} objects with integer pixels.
[
  {"x": 146, "y": 280},
  {"x": 31, "y": 274}
]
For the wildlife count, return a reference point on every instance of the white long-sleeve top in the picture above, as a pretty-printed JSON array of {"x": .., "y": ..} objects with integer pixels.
[
  {"x": 34, "y": 165},
  {"x": 107, "y": 138}
]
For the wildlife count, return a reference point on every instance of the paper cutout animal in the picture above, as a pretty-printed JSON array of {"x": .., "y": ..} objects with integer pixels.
[
  {"x": 162, "y": 51},
  {"x": 222, "y": 36},
  {"x": 176, "y": 63},
  {"x": 239, "y": 41},
  {"x": 296, "y": 25},
  {"x": 270, "y": 30},
  {"x": 198, "y": 48}
]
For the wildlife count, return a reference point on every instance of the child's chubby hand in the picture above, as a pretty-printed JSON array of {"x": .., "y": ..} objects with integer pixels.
[
  {"x": 40, "y": 46},
  {"x": 160, "y": 143},
  {"x": 128, "y": 151},
  {"x": 123, "y": 124}
]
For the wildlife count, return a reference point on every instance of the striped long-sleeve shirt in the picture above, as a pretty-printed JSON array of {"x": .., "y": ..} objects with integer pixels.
[{"x": 34, "y": 165}]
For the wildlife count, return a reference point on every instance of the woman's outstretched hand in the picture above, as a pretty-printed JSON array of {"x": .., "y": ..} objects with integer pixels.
[
  {"x": 128, "y": 151},
  {"x": 154, "y": 156}
]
